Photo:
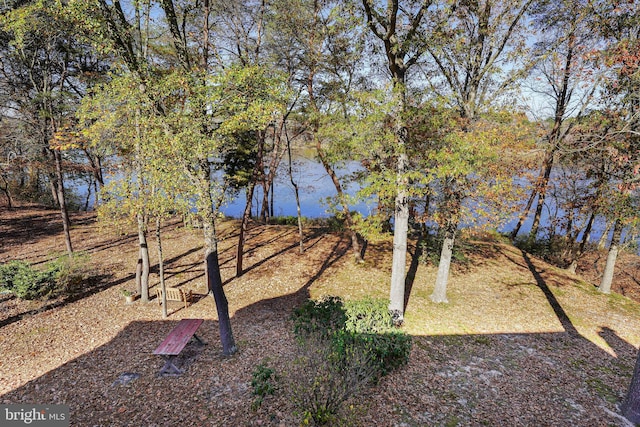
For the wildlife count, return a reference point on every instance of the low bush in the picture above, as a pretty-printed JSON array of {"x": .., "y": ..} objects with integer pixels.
[
  {"x": 344, "y": 347},
  {"x": 323, "y": 317},
  {"x": 322, "y": 379},
  {"x": 263, "y": 383},
  {"x": 551, "y": 249},
  {"x": 59, "y": 277},
  {"x": 25, "y": 282}
]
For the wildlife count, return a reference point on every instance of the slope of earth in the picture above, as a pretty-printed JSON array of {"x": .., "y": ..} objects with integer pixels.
[{"x": 520, "y": 342}]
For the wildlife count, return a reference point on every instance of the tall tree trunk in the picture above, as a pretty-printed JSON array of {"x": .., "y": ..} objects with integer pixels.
[
  {"x": 212, "y": 263},
  {"x": 355, "y": 240},
  {"x": 163, "y": 285},
  {"x": 439, "y": 294},
  {"x": 525, "y": 213},
  {"x": 543, "y": 185},
  {"x": 607, "y": 276},
  {"x": 555, "y": 136},
  {"x": 401, "y": 216},
  {"x": 296, "y": 192},
  {"x": 143, "y": 258},
  {"x": 575, "y": 255},
  {"x": 53, "y": 186},
  {"x": 6, "y": 191},
  {"x": 62, "y": 203},
  {"x": 246, "y": 215},
  {"x": 602, "y": 242},
  {"x": 87, "y": 199},
  {"x": 269, "y": 178}
]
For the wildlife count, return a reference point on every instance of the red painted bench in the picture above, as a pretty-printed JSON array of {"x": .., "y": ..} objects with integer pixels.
[{"x": 175, "y": 342}]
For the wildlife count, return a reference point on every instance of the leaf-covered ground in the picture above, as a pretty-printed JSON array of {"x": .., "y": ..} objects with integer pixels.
[{"x": 520, "y": 343}]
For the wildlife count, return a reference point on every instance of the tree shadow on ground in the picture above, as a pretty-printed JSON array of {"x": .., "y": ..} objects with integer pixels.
[
  {"x": 20, "y": 227},
  {"x": 536, "y": 379},
  {"x": 313, "y": 237},
  {"x": 93, "y": 284}
]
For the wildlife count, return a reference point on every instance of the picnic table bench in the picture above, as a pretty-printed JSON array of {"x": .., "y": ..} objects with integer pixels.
[{"x": 175, "y": 342}]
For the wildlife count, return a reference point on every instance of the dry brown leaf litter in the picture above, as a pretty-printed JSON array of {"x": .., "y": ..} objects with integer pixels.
[{"x": 521, "y": 343}]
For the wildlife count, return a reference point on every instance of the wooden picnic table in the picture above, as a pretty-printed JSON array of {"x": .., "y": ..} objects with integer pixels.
[{"x": 175, "y": 342}]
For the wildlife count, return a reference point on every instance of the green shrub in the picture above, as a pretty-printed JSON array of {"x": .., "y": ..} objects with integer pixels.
[
  {"x": 61, "y": 276},
  {"x": 368, "y": 316},
  {"x": 371, "y": 328},
  {"x": 71, "y": 272},
  {"x": 25, "y": 282},
  {"x": 324, "y": 316},
  {"x": 285, "y": 220},
  {"x": 8, "y": 273},
  {"x": 344, "y": 348},
  {"x": 263, "y": 384}
]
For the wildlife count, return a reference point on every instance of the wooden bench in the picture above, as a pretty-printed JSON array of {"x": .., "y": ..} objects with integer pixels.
[
  {"x": 175, "y": 294},
  {"x": 175, "y": 342}
]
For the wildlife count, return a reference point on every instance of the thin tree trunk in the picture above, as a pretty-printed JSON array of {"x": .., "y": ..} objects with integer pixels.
[
  {"x": 88, "y": 198},
  {"x": 212, "y": 263},
  {"x": 62, "y": 203},
  {"x": 585, "y": 238},
  {"x": 525, "y": 213},
  {"x": 555, "y": 136},
  {"x": 271, "y": 196},
  {"x": 607, "y": 277},
  {"x": 543, "y": 185},
  {"x": 297, "y": 194},
  {"x": 6, "y": 191},
  {"x": 439, "y": 294},
  {"x": 163, "y": 285},
  {"x": 246, "y": 215},
  {"x": 53, "y": 186},
  {"x": 355, "y": 241},
  {"x": 267, "y": 184},
  {"x": 602, "y": 242},
  {"x": 96, "y": 191},
  {"x": 143, "y": 260}
]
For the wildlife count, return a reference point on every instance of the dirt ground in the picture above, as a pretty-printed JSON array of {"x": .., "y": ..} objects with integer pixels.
[{"x": 520, "y": 343}]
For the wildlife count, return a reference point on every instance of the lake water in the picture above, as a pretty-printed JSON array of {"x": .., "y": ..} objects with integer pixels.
[{"x": 315, "y": 187}]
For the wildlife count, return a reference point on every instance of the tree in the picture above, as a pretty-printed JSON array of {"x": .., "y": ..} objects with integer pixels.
[
  {"x": 472, "y": 168},
  {"x": 320, "y": 43},
  {"x": 567, "y": 77},
  {"x": 474, "y": 54},
  {"x": 188, "y": 127},
  {"x": 42, "y": 61},
  {"x": 619, "y": 132},
  {"x": 403, "y": 33}
]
